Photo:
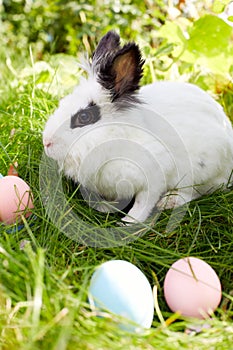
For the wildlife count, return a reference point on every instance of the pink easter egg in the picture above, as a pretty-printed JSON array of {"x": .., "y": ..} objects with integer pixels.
[
  {"x": 15, "y": 199},
  {"x": 192, "y": 288}
]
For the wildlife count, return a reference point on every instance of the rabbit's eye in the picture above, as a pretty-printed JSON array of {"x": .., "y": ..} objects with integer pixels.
[
  {"x": 85, "y": 117},
  {"x": 89, "y": 115}
]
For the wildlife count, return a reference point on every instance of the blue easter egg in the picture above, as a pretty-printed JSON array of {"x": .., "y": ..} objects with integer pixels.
[{"x": 119, "y": 287}]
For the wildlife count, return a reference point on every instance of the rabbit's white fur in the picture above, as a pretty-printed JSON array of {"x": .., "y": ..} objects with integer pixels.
[{"x": 178, "y": 138}]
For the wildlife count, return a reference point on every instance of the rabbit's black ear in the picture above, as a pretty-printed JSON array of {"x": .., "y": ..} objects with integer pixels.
[
  {"x": 121, "y": 73},
  {"x": 109, "y": 44}
]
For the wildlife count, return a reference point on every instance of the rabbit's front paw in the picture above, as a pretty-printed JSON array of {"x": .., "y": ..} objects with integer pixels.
[
  {"x": 143, "y": 205},
  {"x": 127, "y": 221}
]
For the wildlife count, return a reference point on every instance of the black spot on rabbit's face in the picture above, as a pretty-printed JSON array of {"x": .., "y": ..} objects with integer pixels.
[{"x": 86, "y": 116}]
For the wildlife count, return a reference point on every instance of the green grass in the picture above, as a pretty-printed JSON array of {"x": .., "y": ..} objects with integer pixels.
[{"x": 43, "y": 291}]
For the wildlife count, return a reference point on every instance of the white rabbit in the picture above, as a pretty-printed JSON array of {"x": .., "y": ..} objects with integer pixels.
[{"x": 122, "y": 142}]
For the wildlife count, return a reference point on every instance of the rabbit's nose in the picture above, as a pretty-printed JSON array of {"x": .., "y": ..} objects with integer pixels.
[{"x": 47, "y": 143}]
